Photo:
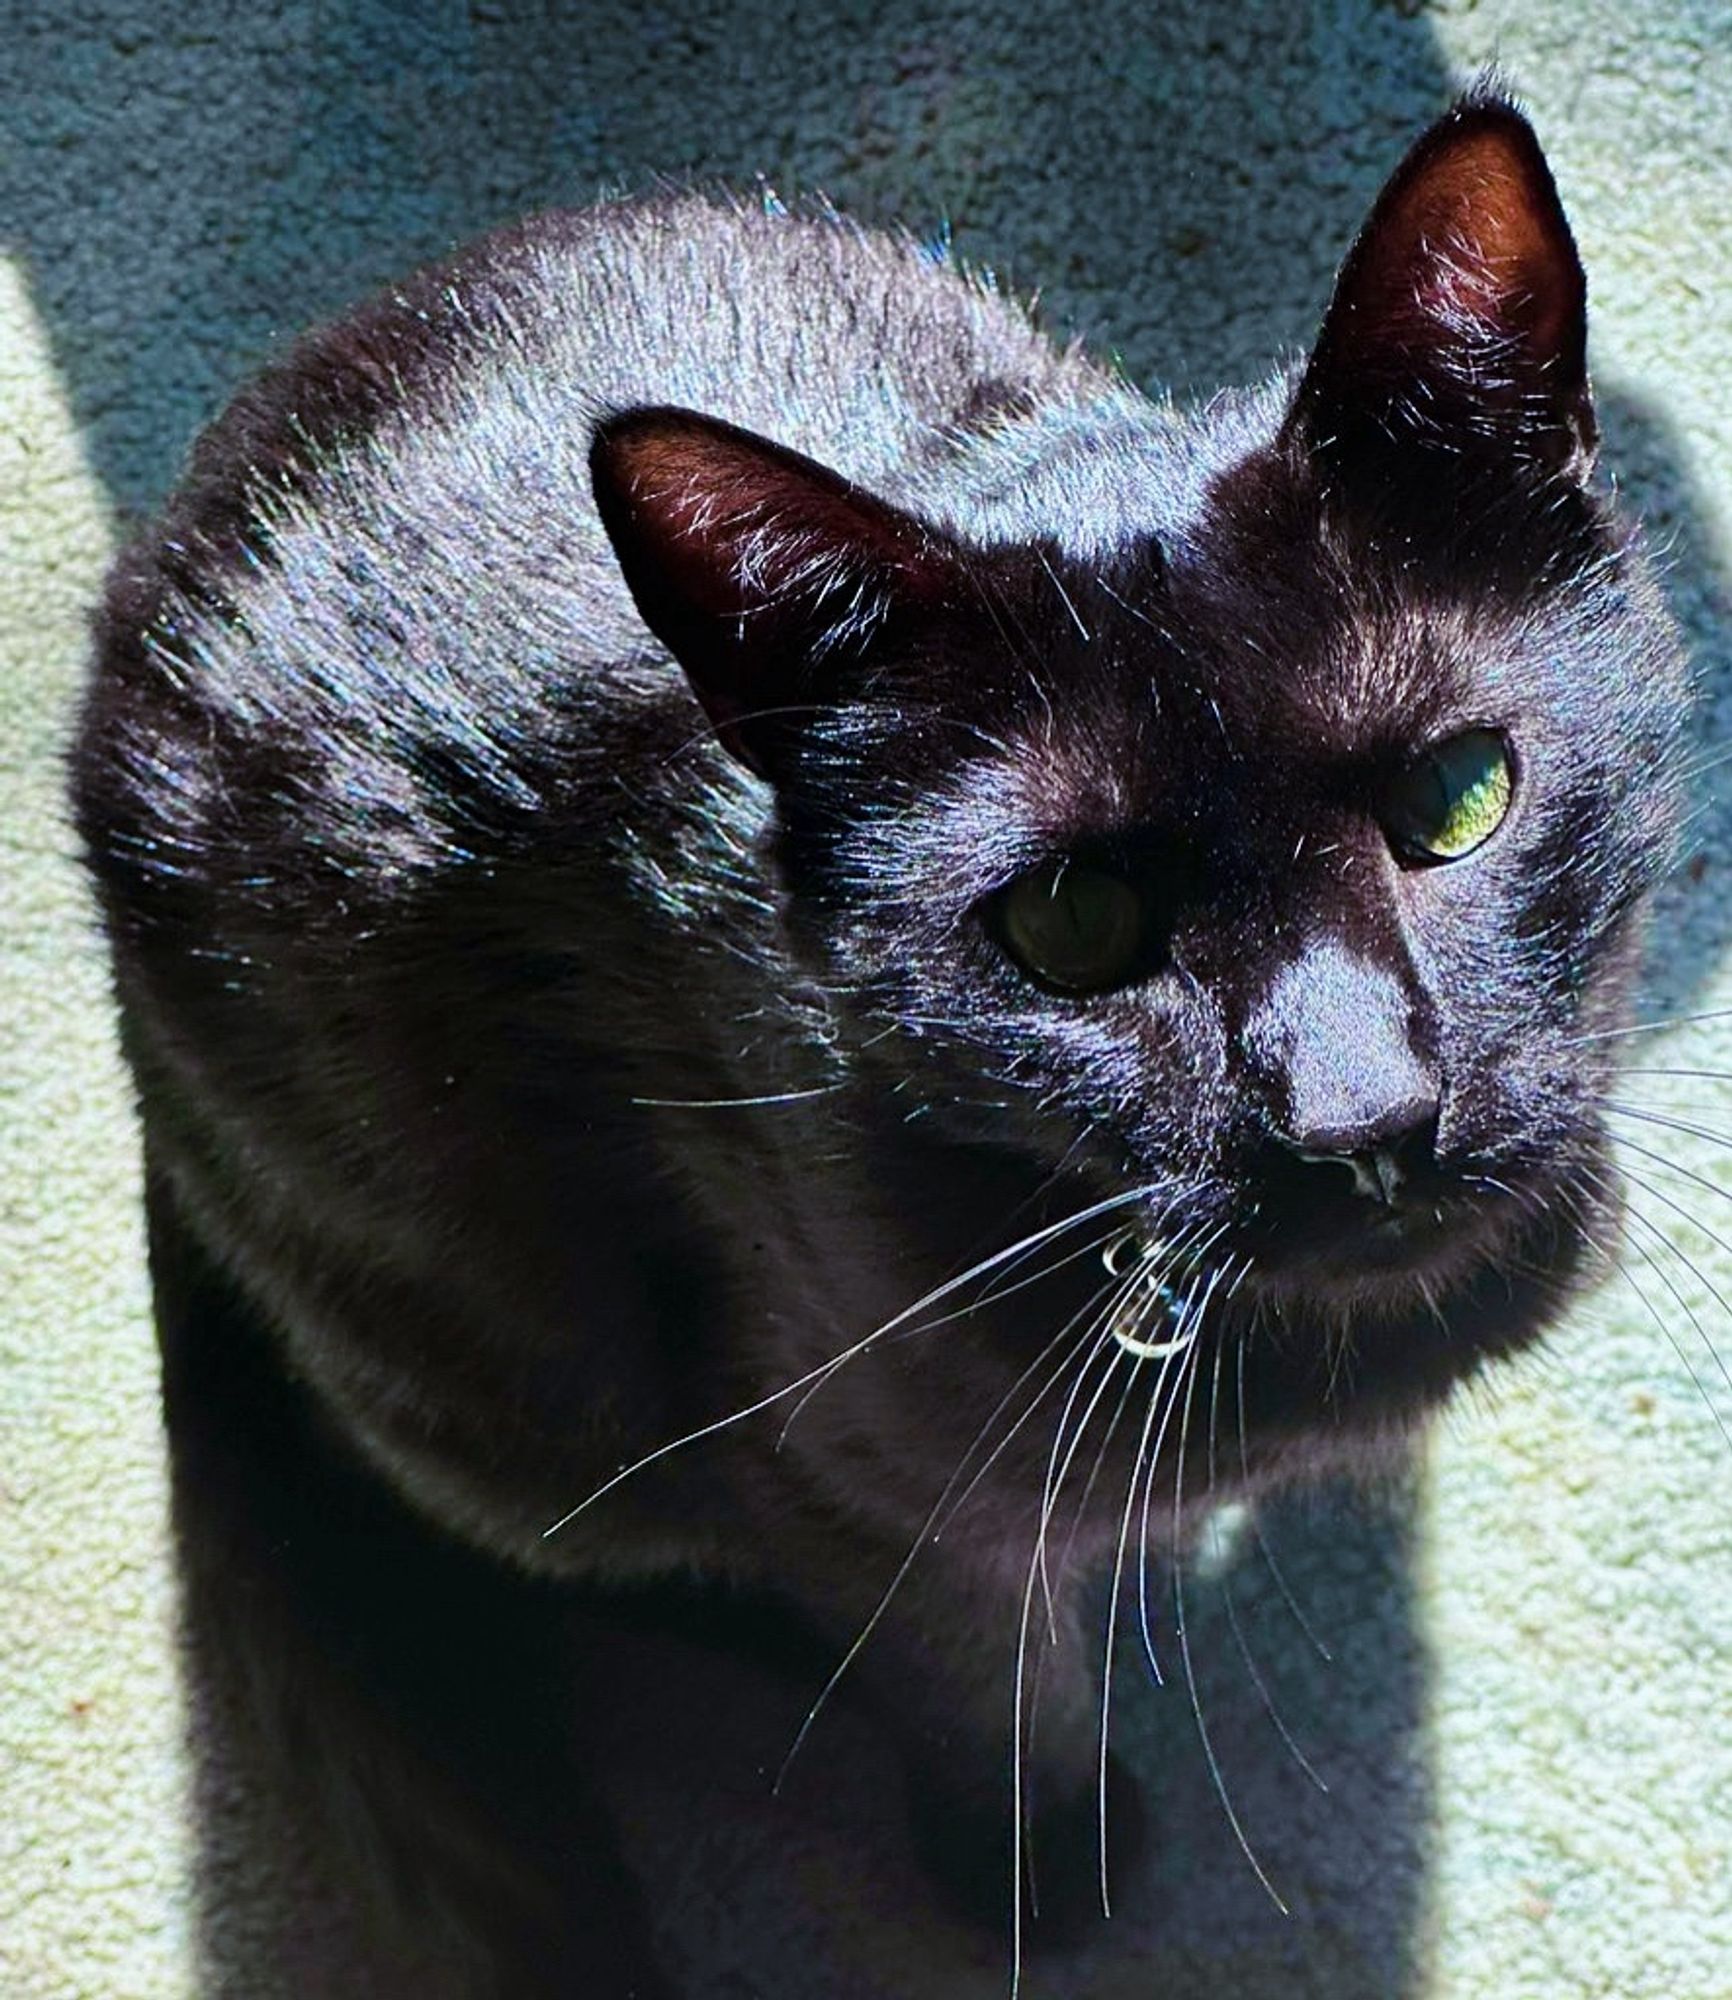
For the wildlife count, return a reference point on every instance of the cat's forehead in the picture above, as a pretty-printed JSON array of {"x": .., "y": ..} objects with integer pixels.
[
  {"x": 1225, "y": 691},
  {"x": 1184, "y": 561},
  {"x": 1095, "y": 478},
  {"x": 1184, "y": 622},
  {"x": 1205, "y": 650}
]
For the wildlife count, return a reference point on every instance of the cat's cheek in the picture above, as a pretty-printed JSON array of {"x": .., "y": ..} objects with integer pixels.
[{"x": 1405, "y": 1357}]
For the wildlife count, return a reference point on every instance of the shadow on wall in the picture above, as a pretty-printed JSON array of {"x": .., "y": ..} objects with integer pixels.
[{"x": 1180, "y": 183}]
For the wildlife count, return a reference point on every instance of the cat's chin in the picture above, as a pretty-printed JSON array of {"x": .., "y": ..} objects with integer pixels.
[{"x": 1386, "y": 1261}]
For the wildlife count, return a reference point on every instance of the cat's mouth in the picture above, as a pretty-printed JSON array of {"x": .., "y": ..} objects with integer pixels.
[
  {"x": 1380, "y": 1260},
  {"x": 1359, "y": 1227},
  {"x": 1370, "y": 1323},
  {"x": 1343, "y": 1251}
]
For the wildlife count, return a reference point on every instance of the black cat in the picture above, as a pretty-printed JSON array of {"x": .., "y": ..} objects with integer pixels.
[{"x": 705, "y": 839}]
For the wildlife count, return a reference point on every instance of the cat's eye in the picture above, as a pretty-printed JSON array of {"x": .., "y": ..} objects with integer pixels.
[
  {"x": 1073, "y": 925},
  {"x": 1453, "y": 798}
]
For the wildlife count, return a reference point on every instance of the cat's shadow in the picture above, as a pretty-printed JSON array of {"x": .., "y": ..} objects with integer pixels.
[
  {"x": 1692, "y": 923},
  {"x": 1183, "y": 188}
]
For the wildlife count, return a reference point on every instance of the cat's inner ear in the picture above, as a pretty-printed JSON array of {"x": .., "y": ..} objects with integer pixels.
[
  {"x": 764, "y": 573},
  {"x": 1459, "y": 318}
]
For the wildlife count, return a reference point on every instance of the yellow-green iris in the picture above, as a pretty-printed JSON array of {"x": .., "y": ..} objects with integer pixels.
[
  {"x": 1075, "y": 926},
  {"x": 1455, "y": 797}
]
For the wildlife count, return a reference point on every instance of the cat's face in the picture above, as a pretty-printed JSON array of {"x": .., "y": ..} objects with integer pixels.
[
  {"x": 1305, "y": 909},
  {"x": 1281, "y": 860}
]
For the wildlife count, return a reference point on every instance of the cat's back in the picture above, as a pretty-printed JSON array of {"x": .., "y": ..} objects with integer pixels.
[
  {"x": 385, "y": 552},
  {"x": 418, "y": 857},
  {"x": 475, "y": 383}
]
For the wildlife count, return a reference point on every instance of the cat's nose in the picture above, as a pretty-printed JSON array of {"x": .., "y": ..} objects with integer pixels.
[
  {"x": 1349, "y": 1081},
  {"x": 1382, "y": 1155}
]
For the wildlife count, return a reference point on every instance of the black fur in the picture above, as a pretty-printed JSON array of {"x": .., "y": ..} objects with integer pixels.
[{"x": 553, "y": 778}]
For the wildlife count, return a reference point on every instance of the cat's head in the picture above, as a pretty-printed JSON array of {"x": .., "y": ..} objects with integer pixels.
[{"x": 1253, "y": 808}]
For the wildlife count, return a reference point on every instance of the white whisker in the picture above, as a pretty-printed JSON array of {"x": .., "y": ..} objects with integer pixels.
[
  {"x": 1648, "y": 1027},
  {"x": 816, "y": 1376},
  {"x": 1185, "y": 1660},
  {"x": 1251, "y": 1667},
  {"x": 1143, "y": 1620},
  {"x": 813, "y": 1382},
  {"x": 1672, "y": 1340},
  {"x": 1713, "y": 1290},
  {"x": 931, "y": 1528},
  {"x": 1670, "y": 1121},
  {"x": 1702, "y": 1075},
  {"x": 1064, "y": 1450},
  {"x": 1143, "y": 1463},
  {"x": 737, "y": 1103}
]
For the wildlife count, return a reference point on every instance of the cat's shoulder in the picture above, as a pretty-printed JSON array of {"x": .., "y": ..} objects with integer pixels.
[
  {"x": 714, "y": 286},
  {"x": 480, "y": 375}
]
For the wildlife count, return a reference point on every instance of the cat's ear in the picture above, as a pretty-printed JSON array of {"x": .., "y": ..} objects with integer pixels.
[
  {"x": 1459, "y": 319},
  {"x": 763, "y": 572}
]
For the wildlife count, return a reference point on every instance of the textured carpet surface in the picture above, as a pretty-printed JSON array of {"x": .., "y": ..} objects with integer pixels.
[{"x": 1523, "y": 1720}]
